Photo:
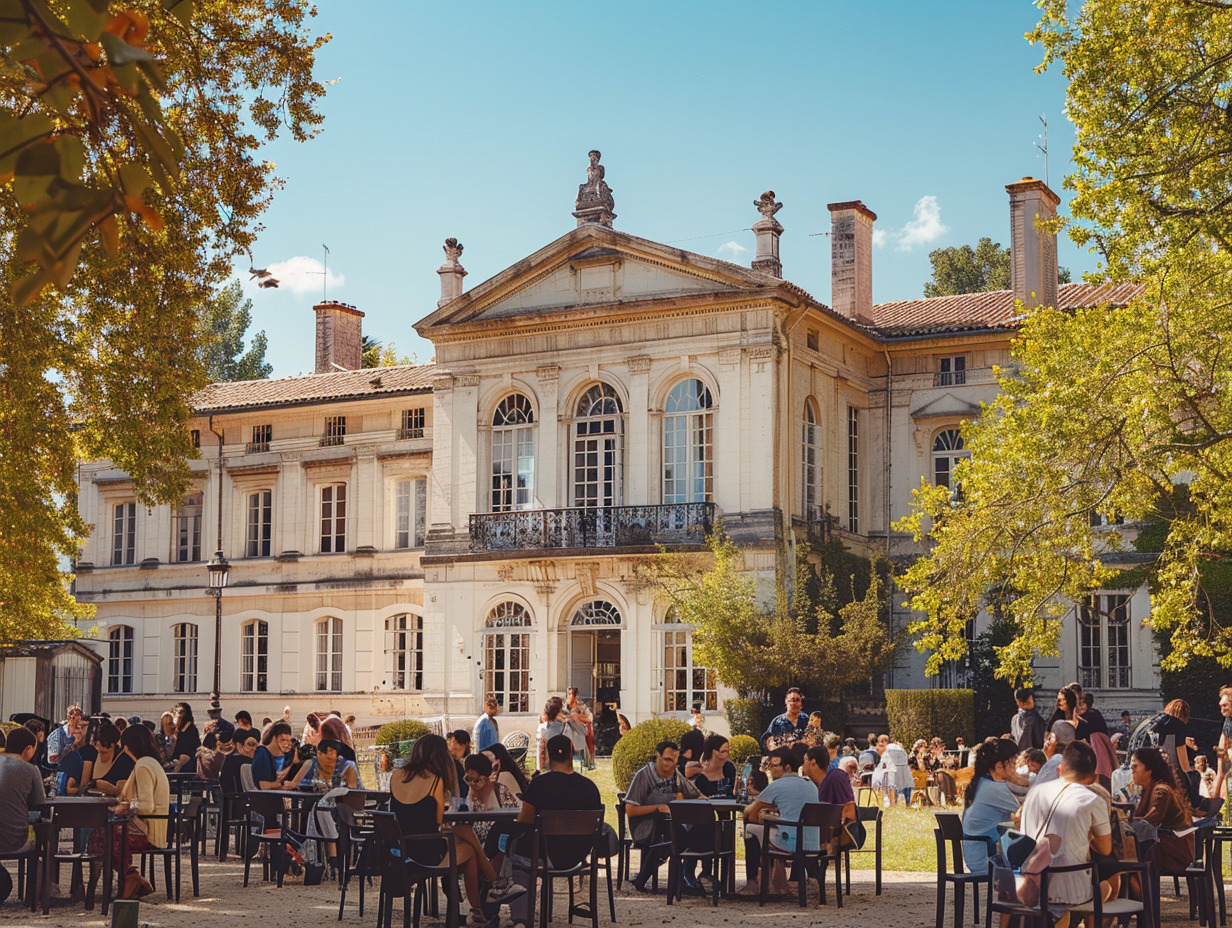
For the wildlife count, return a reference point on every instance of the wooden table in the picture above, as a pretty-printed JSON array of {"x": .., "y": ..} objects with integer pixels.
[{"x": 52, "y": 837}]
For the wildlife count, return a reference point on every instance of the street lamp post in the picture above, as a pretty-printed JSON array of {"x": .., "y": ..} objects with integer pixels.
[{"x": 218, "y": 568}]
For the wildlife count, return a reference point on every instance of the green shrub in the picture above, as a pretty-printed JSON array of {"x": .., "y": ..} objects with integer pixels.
[
  {"x": 742, "y": 748},
  {"x": 636, "y": 747},
  {"x": 947, "y": 714},
  {"x": 403, "y": 730},
  {"x": 747, "y": 716}
]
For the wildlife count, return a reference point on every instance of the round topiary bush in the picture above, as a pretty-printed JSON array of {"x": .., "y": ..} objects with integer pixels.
[
  {"x": 403, "y": 730},
  {"x": 742, "y": 748},
  {"x": 636, "y": 748}
]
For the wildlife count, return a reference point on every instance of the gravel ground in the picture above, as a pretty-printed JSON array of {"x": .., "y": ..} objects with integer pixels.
[{"x": 907, "y": 900}]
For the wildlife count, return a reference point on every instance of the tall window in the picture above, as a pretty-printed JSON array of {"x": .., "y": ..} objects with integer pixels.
[
  {"x": 410, "y": 512},
  {"x": 333, "y": 518},
  {"x": 329, "y": 655},
  {"x": 688, "y": 439},
  {"x": 1103, "y": 642},
  {"x": 506, "y": 652},
  {"x": 853, "y": 469},
  {"x": 260, "y": 523},
  {"x": 811, "y": 463},
  {"x": 948, "y": 450},
  {"x": 951, "y": 371},
  {"x": 513, "y": 454},
  {"x": 187, "y": 530},
  {"x": 124, "y": 534},
  {"x": 254, "y": 657},
  {"x": 684, "y": 683},
  {"x": 412, "y": 423},
  {"x": 184, "y": 659},
  {"x": 120, "y": 659},
  {"x": 598, "y": 449},
  {"x": 404, "y": 652}
]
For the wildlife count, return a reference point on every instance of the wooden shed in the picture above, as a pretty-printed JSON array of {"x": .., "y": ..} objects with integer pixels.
[{"x": 44, "y": 677}]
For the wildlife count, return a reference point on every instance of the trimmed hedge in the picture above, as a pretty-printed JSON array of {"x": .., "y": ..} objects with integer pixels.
[
  {"x": 636, "y": 747},
  {"x": 747, "y": 716},
  {"x": 947, "y": 714},
  {"x": 402, "y": 730},
  {"x": 743, "y": 747}
]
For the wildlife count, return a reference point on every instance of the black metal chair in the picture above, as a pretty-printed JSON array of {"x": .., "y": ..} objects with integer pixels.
[
  {"x": 827, "y": 818},
  {"x": 949, "y": 828},
  {"x": 574, "y": 823},
  {"x": 871, "y": 816},
  {"x": 1200, "y": 877},
  {"x": 78, "y": 818},
  {"x": 232, "y": 816},
  {"x": 722, "y": 854},
  {"x": 29, "y": 867},
  {"x": 268, "y": 828},
  {"x": 1041, "y": 914},
  {"x": 356, "y": 849},
  {"x": 182, "y": 830},
  {"x": 401, "y": 871},
  {"x": 624, "y": 862}
]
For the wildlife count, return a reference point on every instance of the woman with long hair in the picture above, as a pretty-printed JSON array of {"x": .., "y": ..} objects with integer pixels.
[
  {"x": 165, "y": 738},
  {"x": 418, "y": 799},
  {"x": 1165, "y": 804},
  {"x": 505, "y": 769},
  {"x": 692, "y": 743},
  {"x": 187, "y": 740},
  {"x": 146, "y": 793},
  {"x": 1067, "y": 706},
  {"x": 988, "y": 799},
  {"x": 312, "y": 730},
  {"x": 716, "y": 775},
  {"x": 550, "y": 725}
]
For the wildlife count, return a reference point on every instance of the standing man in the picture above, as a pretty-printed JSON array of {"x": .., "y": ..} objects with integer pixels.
[
  {"x": 653, "y": 787},
  {"x": 487, "y": 731},
  {"x": 582, "y": 722},
  {"x": 1027, "y": 725},
  {"x": 788, "y": 727},
  {"x": 557, "y": 789}
]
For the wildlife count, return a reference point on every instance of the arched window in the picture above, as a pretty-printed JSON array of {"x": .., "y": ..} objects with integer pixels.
[
  {"x": 329, "y": 655},
  {"x": 688, "y": 444},
  {"x": 811, "y": 462},
  {"x": 596, "y": 612},
  {"x": 254, "y": 657},
  {"x": 598, "y": 449},
  {"x": 506, "y": 651},
  {"x": 947, "y": 452},
  {"x": 683, "y": 682},
  {"x": 120, "y": 659},
  {"x": 513, "y": 454},
  {"x": 404, "y": 652},
  {"x": 184, "y": 658}
]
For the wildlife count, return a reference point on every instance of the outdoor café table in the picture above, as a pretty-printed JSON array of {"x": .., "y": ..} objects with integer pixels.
[
  {"x": 487, "y": 815},
  {"x": 725, "y": 807},
  {"x": 52, "y": 834}
]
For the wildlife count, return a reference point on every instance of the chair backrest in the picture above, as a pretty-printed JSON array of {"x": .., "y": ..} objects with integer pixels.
[
  {"x": 352, "y": 800},
  {"x": 516, "y": 739},
  {"x": 560, "y": 823},
  {"x": 249, "y": 784},
  {"x": 269, "y": 805},
  {"x": 949, "y": 828},
  {"x": 346, "y": 817},
  {"x": 822, "y": 815},
  {"x": 868, "y": 813},
  {"x": 81, "y": 815},
  {"x": 387, "y": 829},
  {"x": 685, "y": 812}
]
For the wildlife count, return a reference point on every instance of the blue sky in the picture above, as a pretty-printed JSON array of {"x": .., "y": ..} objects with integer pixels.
[{"x": 473, "y": 120}]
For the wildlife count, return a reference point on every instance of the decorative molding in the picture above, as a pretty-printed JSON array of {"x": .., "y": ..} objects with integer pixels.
[
  {"x": 639, "y": 364},
  {"x": 442, "y": 382},
  {"x": 466, "y": 380},
  {"x": 759, "y": 352},
  {"x": 729, "y": 357},
  {"x": 548, "y": 373}
]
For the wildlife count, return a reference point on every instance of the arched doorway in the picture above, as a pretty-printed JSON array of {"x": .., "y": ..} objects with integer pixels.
[{"x": 594, "y": 651}]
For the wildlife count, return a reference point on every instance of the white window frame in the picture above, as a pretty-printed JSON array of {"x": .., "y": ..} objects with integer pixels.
[
  {"x": 120, "y": 659},
  {"x": 853, "y": 469},
  {"x": 186, "y": 529},
  {"x": 332, "y": 502},
  {"x": 184, "y": 657},
  {"x": 598, "y": 450},
  {"x": 259, "y": 523},
  {"x": 404, "y": 653},
  {"x": 124, "y": 533},
  {"x": 507, "y": 655},
  {"x": 254, "y": 656},
  {"x": 678, "y": 673},
  {"x": 327, "y": 635},
  {"x": 948, "y": 450},
  {"x": 810, "y": 463},
  {"x": 512, "y": 484},
  {"x": 688, "y": 443},
  {"x": 1104, "y": 641},
  {"x": 410, "y": 512}
]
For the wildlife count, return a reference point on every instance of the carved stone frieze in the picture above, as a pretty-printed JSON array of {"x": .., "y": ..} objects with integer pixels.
[
  {"x": 548, "y": 373},
  {"x": 640, "y": 364}
]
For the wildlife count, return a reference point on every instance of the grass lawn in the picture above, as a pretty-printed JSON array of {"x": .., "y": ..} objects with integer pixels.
[{"x": 906, "y": 834}]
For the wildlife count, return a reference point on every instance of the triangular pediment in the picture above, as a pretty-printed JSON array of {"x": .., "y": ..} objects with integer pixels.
[
  {"x": 591, "y": 267},
  {"x": 947, "y": 406}
]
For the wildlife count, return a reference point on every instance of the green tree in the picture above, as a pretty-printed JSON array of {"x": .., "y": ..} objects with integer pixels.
[
  {"x": 376, "y": 353},
  {"x": 100, "y": 343},
  {"x": 224, "y": 322},
  {"x": 962, "y": 269}
]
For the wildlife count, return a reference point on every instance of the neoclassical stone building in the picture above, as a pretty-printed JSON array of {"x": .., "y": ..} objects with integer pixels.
[{"x": 404, "y": 540}]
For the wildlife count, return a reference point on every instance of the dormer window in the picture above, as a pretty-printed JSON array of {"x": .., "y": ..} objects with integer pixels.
[
  {"x": 261, "y": 435},
  {"x": 335, "y": 431},
  {"x": 951, "y": 371},
  {"x": 412, "y": 424}
]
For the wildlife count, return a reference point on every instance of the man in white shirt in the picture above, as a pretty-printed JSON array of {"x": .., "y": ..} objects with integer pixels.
[{"x": 1077, "y": 815}]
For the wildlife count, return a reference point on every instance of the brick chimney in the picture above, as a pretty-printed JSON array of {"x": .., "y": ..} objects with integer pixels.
[
  {"x": 1033, "y": 251},
  {"x": 339, "y": 337},
  {"x": 451, "y": 272},
  {"x": 851, "y": 260}
]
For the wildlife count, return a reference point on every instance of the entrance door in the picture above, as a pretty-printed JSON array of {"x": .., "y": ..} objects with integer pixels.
[{"x": 594, "y": 664}]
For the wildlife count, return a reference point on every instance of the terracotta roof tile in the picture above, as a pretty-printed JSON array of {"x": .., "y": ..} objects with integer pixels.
[
  {"x": 990, "y": 310},
  {"x": 309, "y": 388}
]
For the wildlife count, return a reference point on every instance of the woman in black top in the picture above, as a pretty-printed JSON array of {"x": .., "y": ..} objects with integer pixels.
[
  {"x": 1067, "y": 706},
  {"x": 187, "y": 740},
  {"x": 718, "y": 774}
]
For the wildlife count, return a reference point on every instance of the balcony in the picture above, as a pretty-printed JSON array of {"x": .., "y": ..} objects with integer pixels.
[{"x": 610, "y": 527}]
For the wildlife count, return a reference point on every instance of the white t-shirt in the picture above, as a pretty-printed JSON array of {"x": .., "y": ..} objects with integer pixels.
[{"x": 1078, "y": 814}]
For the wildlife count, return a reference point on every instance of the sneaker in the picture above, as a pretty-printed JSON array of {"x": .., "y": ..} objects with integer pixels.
[{"x": 504, "y": 889}]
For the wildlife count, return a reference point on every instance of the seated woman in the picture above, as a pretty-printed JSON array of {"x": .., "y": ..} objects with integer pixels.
[
  {"x": 146, "y": 793},
  {"x": 692, "y": 743},
  {"x": 717, "y": 776},
  {"x": 418, "y": 799},
  {"x": 1165, "y": 804},
  {"x": 988, "y": 799},
  {"x": 505, "y": 770},
  {"x": 106, "y": 751},
  {"x": 332, "y": 767},
  {"x": 487, "y": 794}
]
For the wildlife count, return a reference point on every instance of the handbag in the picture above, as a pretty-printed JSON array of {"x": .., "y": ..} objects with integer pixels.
[{"x": 1021, "y": 883}]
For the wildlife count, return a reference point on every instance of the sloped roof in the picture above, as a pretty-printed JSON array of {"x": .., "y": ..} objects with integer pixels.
[
  {"x": 311, "y": 388},
  {"x": 994, "y": 309}
]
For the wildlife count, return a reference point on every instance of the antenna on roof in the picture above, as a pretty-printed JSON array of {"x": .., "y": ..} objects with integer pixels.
[
  {"x": 325, "y": 264},
  {"x": 1044, "y": 146}
]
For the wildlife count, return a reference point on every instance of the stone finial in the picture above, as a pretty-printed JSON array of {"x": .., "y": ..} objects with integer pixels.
[
  {"x": 594, "y": 201},
  {"x": 766, "y": 206},
  {"x": 451, "y": 272}
]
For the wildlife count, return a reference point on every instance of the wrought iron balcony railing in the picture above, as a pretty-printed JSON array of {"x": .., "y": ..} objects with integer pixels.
[{"x": 609, "y": 527}]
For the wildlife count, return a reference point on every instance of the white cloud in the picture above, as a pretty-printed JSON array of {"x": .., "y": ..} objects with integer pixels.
[
  {"x": 731, "y": 251},
  {"x": 880, "y": 237},
  {"x": 924, "y": 227},
  {"x": 303, "y": 275}
]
